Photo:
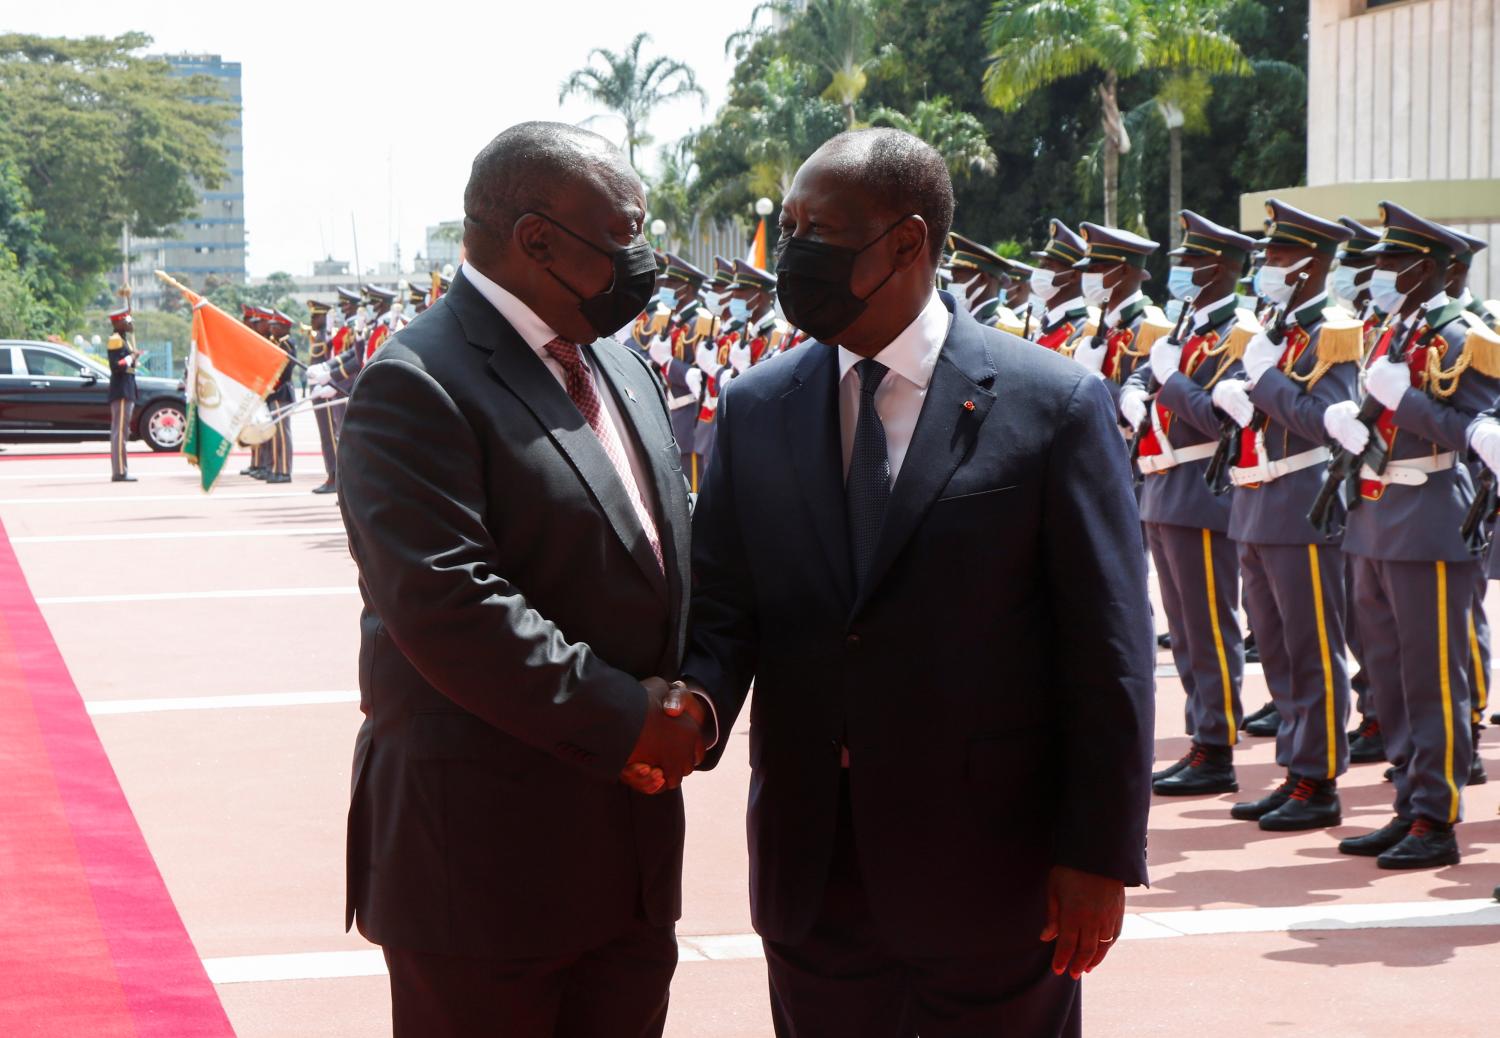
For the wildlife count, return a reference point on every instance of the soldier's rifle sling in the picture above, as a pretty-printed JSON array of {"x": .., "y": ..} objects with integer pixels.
[{"x": 1153, "y": 389}]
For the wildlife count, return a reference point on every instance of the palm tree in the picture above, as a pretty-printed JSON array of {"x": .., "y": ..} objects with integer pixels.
[
  {"x": 1182, "y": 102},
  {"x": 958, "y": 136},
  {"x": 630, "y": 89},
  {"x": 1038, "y": 42},
  {"x": 835, "y": 36}
]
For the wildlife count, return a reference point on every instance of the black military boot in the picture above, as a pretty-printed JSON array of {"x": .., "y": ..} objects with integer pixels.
[
  {"x": 1252, "y": 650},
  {"x": 1172, "y": 769},
  {"x": 1381, "y": 840},
  {"x": 1209, "y": 770},
  {"x": 1313, "y": 804},
  {"x": 1265, "y": 722},
  {"x": 1164, "y": 641},
  {"x": 1477, "y": 776},
  {"x": 1366, "y": 744},
  {"x": 1428, "y": 845},
  {"x": 1254, "y": 809},
  {"x": 1249, "y": 719}
]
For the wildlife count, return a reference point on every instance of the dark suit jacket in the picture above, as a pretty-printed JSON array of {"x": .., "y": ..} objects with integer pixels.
[
  {"x": 511, "y": 603},
  {"x": 993, "y": 681}
]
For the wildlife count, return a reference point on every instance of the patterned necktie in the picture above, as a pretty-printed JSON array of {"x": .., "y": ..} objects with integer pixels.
[
  {"x": 868, "y": 487},
  {"x": 580, "y": 386}
]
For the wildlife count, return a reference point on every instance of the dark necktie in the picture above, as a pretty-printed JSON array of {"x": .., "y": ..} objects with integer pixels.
[{"x": 868, "y": 487}]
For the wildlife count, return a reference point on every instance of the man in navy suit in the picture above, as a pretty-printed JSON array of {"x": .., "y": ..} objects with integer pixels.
[{"x": 916, "y": 540}]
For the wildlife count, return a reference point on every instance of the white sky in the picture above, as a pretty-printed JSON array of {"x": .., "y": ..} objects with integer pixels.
[{"x": 378, "y": 108}]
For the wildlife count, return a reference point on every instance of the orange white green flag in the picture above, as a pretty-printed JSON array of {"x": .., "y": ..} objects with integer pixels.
[{"x": 230, "y": 370}]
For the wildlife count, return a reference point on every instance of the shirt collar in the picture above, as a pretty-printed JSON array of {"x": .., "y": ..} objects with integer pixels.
[
  {"x": 517, "y": 314},
  {"x": 1061, "y": 310},
  {"x": 1466, "y": 299},
  {"x": 1113, "y": 318},
  {"x": 1214, "y": 312},
  {"x": 1311, "y": 312},
  {"x": 914, "y": 353}
]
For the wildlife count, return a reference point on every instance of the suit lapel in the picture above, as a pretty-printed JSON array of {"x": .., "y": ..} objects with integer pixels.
[
  {"x": 522, "y": 371},
  {"x": 958, "y": 398},
  {"x": 814, "y": 445}
]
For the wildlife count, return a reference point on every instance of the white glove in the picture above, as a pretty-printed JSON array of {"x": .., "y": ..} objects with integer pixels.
[
  {"x": 1232, "y": 396},
  {"x": 1261, "y": 356},
  {"x": 1091, "y": 358},
  {"x": 708, "y": 358},
  {"x": 324, "y": 392},
  {"x": 1484, "y": 437},
  {"x": 1133, "y": 405},
  {"x": 694, "y": 379},
  {"x": 739, "y": 357},
  {"x": 1388, "y": 382},
  {"x": 660, "y": 348},
  {"x": 1343, "y": 424},
  {"x": 318, "y": 375},
  {"x": 1166, "y": 359}
]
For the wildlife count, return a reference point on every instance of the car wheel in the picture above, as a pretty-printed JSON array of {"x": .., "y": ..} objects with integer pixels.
[{"x": 164, "y": 425}]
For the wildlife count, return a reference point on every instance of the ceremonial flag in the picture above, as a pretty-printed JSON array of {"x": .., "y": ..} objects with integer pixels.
[
  {"x": 757, "y": 257},
  {"x": 230, "y": 370}
]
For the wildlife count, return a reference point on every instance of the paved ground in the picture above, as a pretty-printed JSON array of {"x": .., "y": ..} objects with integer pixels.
[{"x": 214, "y": 638}]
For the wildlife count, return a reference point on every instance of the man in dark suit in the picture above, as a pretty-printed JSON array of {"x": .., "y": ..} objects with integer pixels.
[
  {"x": 921, "y": 546},
  {"x": 517, "y": 509}
]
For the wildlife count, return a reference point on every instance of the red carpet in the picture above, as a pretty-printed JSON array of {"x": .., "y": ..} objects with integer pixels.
[{"x": 91, "y": 945}]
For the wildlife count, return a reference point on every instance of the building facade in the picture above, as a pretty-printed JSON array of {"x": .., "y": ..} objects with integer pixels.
[
  {"x": 1402, "y": 105},
  {"x": 212, "y": 242}
]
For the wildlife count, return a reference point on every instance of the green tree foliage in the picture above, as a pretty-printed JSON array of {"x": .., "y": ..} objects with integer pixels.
[
  {"x": 957, "y": 136},
  {"x": 631, "y": 88},
  {"x": 102, "y": 139}
]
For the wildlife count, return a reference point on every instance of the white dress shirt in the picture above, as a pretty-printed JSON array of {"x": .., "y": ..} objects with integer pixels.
[
  {"x": 537, "y": 335},
  {"x": 1112, "y": 319},
  {"x": 1202, "y": 314},
  {"x": 910, "y": 356}
]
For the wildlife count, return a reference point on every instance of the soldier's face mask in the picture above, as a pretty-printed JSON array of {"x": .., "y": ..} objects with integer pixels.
[
  {"x": 812, "y": 283},
  {"x": 1383, "y": 291},
  {"x": 1346, "y": 282},
  {"x": 1182, "y": 283},
  {"x": 1095, "y": 290},
  {"x": 1043, "y": 283},
  {"x": 629, "y": 290},
  {"x": 1271, "y": 282}
]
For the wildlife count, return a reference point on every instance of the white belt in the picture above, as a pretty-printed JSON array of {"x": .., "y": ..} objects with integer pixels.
[
  {"x": 674, "y": 402},
  {"x": 1170, "y": 458},
  {"x": 1266, "y": 470},
  {"x": 1411, "y": 472}
]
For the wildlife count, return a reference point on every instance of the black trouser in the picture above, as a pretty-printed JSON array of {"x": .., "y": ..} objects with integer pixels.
[
  {"x": 615, "y": 991},
  {"x": 842, "y": 981},
  {"x": 330, "y": 418}
]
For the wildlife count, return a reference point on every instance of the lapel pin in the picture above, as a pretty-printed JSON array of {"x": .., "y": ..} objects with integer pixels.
[
  {"x": 630, "y": 393},
  {"x": 968, "y": 405}
]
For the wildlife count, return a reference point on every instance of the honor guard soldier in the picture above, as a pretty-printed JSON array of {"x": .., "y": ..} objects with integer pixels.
[
  {"x": 1056, "y": 294},
  {"x": 383, "y": 318},
  {"x": 979, "y": 273},
  {"x": 122, "y": 358},
  {"x": 1477, "y": 316},
  {"x": 765, "y": 332},
  {"x": 1114, "y": 268},
  {"x": 258, "y": 318},
  {"x": 1293, "y": 573},
  {"x": 1415, "y": 579},
  {"x": 1186, "y": 524},
  {"x": 1351, "y": 287},
  {"x": 282, "y": 396},
  {"x": 416, "y": 299},
  {"x": 692, "y": 323},
  {"x": 334, "y": 378},
  {"x": 324, "y": 395}
]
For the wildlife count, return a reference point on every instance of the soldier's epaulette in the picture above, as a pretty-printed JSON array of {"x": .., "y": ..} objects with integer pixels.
[
  {"x": 1492, "y": 306},
  {"x": 1334, "y": 312},
  {"x": 1006, "y": 320},
  {"x": 116, "y": 342},
  {"x": 1244, "y": 328},
  {"x": 1472, "y": 319},
  {"x": 1341, "y": 339},
  {"x": 1154, "y": 326},
  {"x": 1482, "y": 348}
]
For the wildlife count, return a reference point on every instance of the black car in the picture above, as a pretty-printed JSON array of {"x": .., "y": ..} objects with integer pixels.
[{"x": 54, "y": 394}]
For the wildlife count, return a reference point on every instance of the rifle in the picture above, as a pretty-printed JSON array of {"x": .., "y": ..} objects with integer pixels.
[
  {"x": 1344, "y": 469},
  {"x": 1476, "y": 534},
  {"x": 1153, "y": 389},
  {"x": 1217, "y": 474}
]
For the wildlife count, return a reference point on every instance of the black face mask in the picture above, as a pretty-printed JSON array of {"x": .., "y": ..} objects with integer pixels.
[
  {"x": 812, "y": 283},
  {"x": 633, "y": 284}
]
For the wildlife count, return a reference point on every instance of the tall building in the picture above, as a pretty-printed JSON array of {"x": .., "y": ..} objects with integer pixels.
[
  {"x": 1403, "y": 105},
  {"x": 212, "y": 242}
]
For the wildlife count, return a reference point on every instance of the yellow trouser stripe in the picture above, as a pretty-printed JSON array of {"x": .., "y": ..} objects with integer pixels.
[
  {"x": 1213, "y": 619},
  {"x": 1327, "y": 660},
  {"x": 1481, "y": 679},
  {"x": 1446, "y": 685}
]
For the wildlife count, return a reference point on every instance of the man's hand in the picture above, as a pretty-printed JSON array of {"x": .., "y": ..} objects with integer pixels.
[
  {"x": 1085, "y": 913},
  {"x": 670, "y": 745},
  {"x": 324, "y": 392},
  {"x": 1388, "y": 382},
  {"x": 1166, "y": 359},
  {"x": 1484, "y": 437},
  {"x": 1343, "y": 424},
  {"x": 660, "y": 349},
  {"x": 1090, "y": 356},
  {"x": 1261, "y": 356},
  {"x": 318, "y": 375},
  {"x": 1231, "y": 397},
  {"x": 1133, "y": 405}
]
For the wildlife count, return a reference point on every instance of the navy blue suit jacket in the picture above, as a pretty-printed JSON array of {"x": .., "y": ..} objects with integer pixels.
[{"x": 993, "y": 679}]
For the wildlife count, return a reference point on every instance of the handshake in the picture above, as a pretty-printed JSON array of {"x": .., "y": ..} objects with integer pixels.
[{"x": 672, "y": 741}]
